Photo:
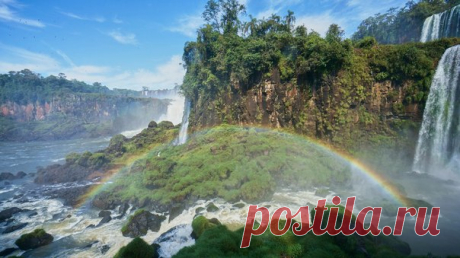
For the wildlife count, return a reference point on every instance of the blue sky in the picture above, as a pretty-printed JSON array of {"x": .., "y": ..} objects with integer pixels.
[{"x": 137, "y": 43}]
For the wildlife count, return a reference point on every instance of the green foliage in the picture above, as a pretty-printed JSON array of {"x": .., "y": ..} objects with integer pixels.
[
  {"x": 261, "y": 162},
  {"x": 27, "y": 87},
  {"x": 401, "y": 25},
  {"x": 218, "y": 241},
  {"x": 137, "y": 248},
  {"x": 218, "y": 58},
  {"x": 201, "y": 224}
]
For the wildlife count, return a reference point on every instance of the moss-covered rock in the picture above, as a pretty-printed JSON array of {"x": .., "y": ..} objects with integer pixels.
[
  {"x": 137, "y": 248},
  {"x": 166, "y": 124},
  {"x": 201, "y": 224},
  {"x": 139, "y": 223},
  {"x": 33, "y": 240}
]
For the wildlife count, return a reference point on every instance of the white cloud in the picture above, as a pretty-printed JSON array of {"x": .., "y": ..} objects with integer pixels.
[
  {"x": 127, "y": 38},
  {"x": 320, "y": 22},
  {"x": 83, "y": 18},
  {"x": 65, "y": 57},
  {"x": 188, "y": 25},
  {"x": 8, "y": 15},
  {"x": 163, "y": 76}
]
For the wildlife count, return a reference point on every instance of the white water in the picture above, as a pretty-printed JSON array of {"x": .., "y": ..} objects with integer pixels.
[
  {"x": 442, "y": 25},
  {"x": 438, "y": 147},
  {"x": 175, "y": 108},
  {"x": 184, "y": 126}
]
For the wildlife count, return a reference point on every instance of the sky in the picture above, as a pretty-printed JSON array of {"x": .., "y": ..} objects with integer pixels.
[{"x": 139, "y": 43}]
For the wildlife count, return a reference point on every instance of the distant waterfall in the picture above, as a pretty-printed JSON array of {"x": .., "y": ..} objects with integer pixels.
[
  {"x": 184, "y": 126},
  {"x": 442, "y": 25},
  {"x": 176, "y": 107},
  {"x": 438, "y": 147}
]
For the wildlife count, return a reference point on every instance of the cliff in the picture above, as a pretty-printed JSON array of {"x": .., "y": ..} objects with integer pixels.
[{"x": 76, "y": 115}]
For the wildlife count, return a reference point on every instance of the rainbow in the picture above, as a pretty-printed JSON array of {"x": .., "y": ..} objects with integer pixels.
[{"x": 376, "y": 178}]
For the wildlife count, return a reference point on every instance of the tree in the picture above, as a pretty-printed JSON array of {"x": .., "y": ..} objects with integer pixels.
[
  {"x": 211, "y": 14},
  {"x": 334, "y": 33}
]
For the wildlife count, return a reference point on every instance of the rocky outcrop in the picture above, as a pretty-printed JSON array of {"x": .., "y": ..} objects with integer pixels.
[
  {"x": 327, "y": 111},
  {"x": 141, "y": 222}
]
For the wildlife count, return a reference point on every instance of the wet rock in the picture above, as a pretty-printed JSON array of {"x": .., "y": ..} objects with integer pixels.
[
  {"x": 104, "y": 201},
  {"x": 199, "y": 210},
  {"x": 8, "y": 251},
  {"x": 123, "y": 209},
  {"x": 7, "y": 183},
  {"x": 104, "y": 249},
  {"x": 103, "y": 214},
  {"x": 33, "y": 214},
  {"x": 69, "y": 195},
  {"x": 175, "y": 211},
  {"x": 14, "y": 228},
  {"x": 20, "y": 175},
  {"x": 239, "y": 205},
  {"x": 34, "y": 240},
  {"x": 57, "y": 173},
  {"x": 7, "y": 176},
  {"x": 141, "y": 222},
  {"x": 105, "y": 219},
  {"x": 8, "y": 213},
  {"x": 211, "y": 207}
]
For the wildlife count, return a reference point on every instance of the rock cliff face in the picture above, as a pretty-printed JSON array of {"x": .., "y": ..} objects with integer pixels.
[
  {"x": 330, "y": 111},
  {"x": 77, "y": 115}
]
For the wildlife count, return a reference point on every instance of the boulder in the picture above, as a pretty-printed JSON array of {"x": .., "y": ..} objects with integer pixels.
[
  {"x": 139, "y": 223},
  {"x": 211, "y": 207},
  {"x": 7, "y": 176},
  {"x": 103, "y": 214},
  {"x": 175, "y": 211},
  {"x": 153, "y": 124},
  {"x": 34, "y": 240},
  {"x": 8, "y": 213},
  {"x": 105, "y": 219},
  {"x": 14, "y": 228}
]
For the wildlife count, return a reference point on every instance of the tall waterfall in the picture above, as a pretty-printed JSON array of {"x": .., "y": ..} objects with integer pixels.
[
  {"x": 184, "y": 126},
  {"x": 438, "y": 147},
  {"x": 442, "y": 25}
]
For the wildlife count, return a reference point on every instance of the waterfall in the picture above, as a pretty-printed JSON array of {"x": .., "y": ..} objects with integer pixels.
[
  {"x": 438, "y": 147},
  {"x": 176, "y": 107},
  {"x": 184, "y": 126},
  {"x": 442, "y": 25}
]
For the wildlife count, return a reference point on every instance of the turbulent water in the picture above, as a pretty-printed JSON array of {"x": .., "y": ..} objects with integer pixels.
[
  {"x": 442, "y": 25},
  {"x": 438, "y": 148}
]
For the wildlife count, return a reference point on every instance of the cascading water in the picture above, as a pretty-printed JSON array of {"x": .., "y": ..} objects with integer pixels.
[
  {"x": 442, "y": 25},
  {"x": 175, "y": 110},
  {"x": 438, "y": 147},
  {"x": 184, "y": 127}
]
